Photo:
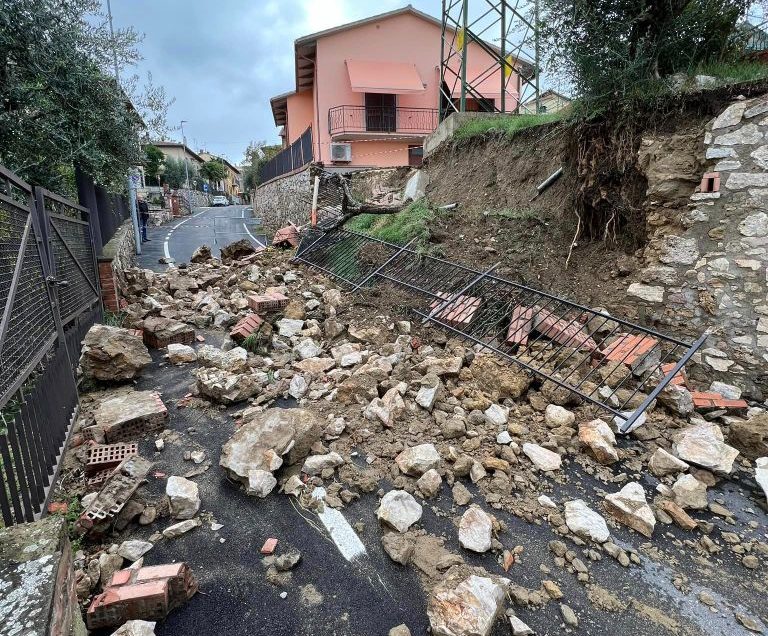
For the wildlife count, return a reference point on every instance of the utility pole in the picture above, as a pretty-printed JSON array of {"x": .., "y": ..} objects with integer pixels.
[
  {"x": 186, "y": 164},
  {"x": 131, "y": 184}
]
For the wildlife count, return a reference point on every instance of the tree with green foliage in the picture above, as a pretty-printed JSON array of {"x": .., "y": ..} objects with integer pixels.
[
  {"x": 619, "y": 49},
  {"x": 175, "y": 174},
  {"x": 153, "y": 160},
  {"x": 61, "y": 105},
  {"x": 214, "y": 170},
  {"x": 256, "y": 155}
]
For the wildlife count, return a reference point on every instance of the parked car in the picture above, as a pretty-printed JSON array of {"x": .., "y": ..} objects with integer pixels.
[{"x": 220, "y": 199}]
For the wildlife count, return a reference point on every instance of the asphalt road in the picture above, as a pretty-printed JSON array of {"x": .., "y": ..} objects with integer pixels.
[{"x": 214, "y": 227}]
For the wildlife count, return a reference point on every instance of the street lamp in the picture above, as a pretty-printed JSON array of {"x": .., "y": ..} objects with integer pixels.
[{"x": 186, "y": 164}]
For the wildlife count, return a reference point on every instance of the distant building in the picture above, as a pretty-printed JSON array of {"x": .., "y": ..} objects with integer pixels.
[
  {"x": 549, "y": 102},
  {"x": 367, "y": 93},
  {"x": 232, "y": 183}
]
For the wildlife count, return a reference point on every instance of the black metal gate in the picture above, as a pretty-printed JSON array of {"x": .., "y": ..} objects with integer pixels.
[
  {"x": 47, "y": 270},
  {"x": 612, "y": 363}
]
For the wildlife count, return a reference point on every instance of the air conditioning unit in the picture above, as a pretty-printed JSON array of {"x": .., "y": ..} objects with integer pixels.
[{"x": 341, "y": 153}]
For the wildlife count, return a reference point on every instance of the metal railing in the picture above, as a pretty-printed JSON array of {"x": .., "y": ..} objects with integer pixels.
[
  {"x": 381, "y": 119},
  {"x": 47, "y": 271},
  {"x": 295, "y": 156},
  {"x": 612, "y": 363}
]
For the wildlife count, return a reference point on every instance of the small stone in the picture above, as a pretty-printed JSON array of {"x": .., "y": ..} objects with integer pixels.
[
  {"x": 260, "y": 483},
  {"x": 287, "y": 561},
  {"x": 134, "y": 549},
  {"x": 543, "y": 459},
  {"x": 556, "y": 416},
  {"x": 569, "y": 616},
  {"x": 400, "y": 630},
  {"x": 160, "y": 444},
  {"x": 177, "y": 529},
  {"x": 475, "y": 529},
  {"x": 663, "y": 463},
  {"x": 398, "y": 546},
  {"x": 599, "y": 438},
  {"x": 181, "y": 354},
  {"x": 497, "y": 415},
  {"x": 504, "y": 438},
  {"x": 690, "y": 492},
  {"x": 417, "y": 460},
  {"x": 136, "y": 628},
  {"x": 461, "y": 496},
  {"x": 429, "y": 483},
  {"x": 465, "y": 607},
  {"x": 399, "y": 509},
  {"x": 519, "y": 628}
]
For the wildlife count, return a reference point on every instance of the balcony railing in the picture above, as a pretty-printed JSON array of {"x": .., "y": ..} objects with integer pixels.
[{"x": 381, "y": 119}]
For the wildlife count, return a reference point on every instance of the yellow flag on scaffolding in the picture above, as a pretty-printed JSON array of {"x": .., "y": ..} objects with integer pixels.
[
  {"x": 459, "y": 39},
  {"x": 508, "y": 66}
]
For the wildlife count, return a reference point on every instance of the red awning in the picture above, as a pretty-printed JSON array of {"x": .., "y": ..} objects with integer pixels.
[{"x": 384, "y": 77}]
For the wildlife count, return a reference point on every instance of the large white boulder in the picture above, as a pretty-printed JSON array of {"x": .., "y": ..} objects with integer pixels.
[
  {"x": 180, "y": 353},
  {"x": 113, "y": 354},
  {"x": 183, "y": 496},
  {"x": 465, "y": 606},
  {"x": 629, "y": 507},
  {"x": 399, "y": 509},
  {"x": 761, "y": 474},
  {"x": 585, "y": 522},
  {"x": 703, "y": 445}
]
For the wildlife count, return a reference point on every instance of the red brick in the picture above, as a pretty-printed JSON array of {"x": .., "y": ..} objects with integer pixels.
[
  {"x": 520, "y": 326},
  {"x": 710, "y": 182},
  {"x": 712, "y": 400},
  {"x": 628, "y": 348},
  {"x": 679, "y": 378},
  {"x": 269, "y": 546},
  {"x": 287, "y": 235},
  {"x": 267, "y": 302},
  {"x": 57, "y": 507},
  {"x": 245, "y": 327},
  {"x": 567, "y": 332},
  {"x": 459, "y": 311}
]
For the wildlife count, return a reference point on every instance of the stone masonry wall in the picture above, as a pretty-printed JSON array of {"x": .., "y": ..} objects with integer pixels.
[
  {"x": 283, "y": 200},
  {"x": 117, "y": 256},
  {"x": 706, "y": 261}
]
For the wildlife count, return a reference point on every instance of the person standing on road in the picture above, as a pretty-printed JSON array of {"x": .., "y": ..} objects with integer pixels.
[{"x": 144, "y": 218}]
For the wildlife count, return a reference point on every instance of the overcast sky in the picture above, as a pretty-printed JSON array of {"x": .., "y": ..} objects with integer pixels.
[{"x": 223, "y": 59}]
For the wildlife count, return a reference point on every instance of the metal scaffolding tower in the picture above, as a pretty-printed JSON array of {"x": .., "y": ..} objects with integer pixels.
[{"x": 489, "y": 58}]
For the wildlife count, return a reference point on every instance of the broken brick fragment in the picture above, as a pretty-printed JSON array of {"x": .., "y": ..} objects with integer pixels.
[
  {"x": 459, "y": 311},
  {"x": 566, "y": 332},
  {"x": 147, "y": 593},
  {"x": 57, "y": 507},
  {"x": 520, "y": 325},
  {"x": 712, "y": 400},
  {"x": 286, "y": 237},
  {"x": 679, "y": 379},
  {"x": 106, "y": 456},
  {"x": 245, "y": 327},
  {"x": 269, "y": 546},
  {"x": 629, "y": 348}
]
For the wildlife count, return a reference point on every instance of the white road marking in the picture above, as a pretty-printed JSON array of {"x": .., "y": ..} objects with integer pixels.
[
  {"x": 175, "y": 227},
  {"x": 245, "y": 227},
  {"x": 338, "y": 527}
]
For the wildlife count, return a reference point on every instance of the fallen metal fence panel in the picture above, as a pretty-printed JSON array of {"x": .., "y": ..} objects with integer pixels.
[{"x": 612, "y": 363}]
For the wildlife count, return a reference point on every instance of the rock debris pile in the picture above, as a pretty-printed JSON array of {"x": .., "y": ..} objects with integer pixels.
[{"x": 351, "y": 399}]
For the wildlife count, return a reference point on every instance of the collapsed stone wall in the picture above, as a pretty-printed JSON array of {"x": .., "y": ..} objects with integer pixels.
[
  {"x": 706, "y": 260},
  {"x": 118, "y": 255},
  {"x": 284, "y": 200}
]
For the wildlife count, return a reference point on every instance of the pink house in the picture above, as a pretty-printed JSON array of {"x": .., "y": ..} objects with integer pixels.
[{"x": 370, "y": 91}]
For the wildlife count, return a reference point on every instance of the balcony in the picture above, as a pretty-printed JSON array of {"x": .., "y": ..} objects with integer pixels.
[{"x": 373, "y": 122}]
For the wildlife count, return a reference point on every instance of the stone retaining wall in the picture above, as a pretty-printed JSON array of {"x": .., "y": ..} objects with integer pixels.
[
  {"x": 117, "y": 256},
  {"x": 706, "y": 261},
  {"x": 284, "y": 200}
]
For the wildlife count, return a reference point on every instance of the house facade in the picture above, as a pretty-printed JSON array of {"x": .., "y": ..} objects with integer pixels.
[
  {"x": 370, "y": 91},
  {"x": 549, "y": 102}
]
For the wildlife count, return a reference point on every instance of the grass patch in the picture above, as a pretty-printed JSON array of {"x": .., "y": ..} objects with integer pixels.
[
  {"x": 509, "y": 125},
  {"x": 399, "y": 228},
  {"x": 114, "y": 319},
  {"x": 734, "y": 72},
  {"x": 515, "y": 214}
]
